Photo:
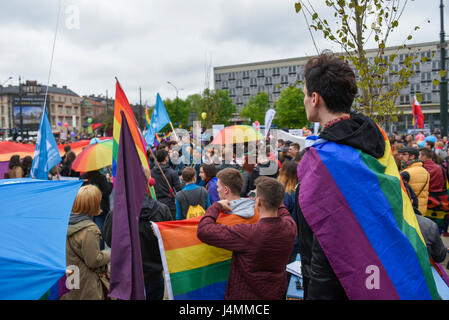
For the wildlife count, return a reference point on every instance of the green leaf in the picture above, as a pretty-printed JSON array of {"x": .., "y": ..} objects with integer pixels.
[
  {"x": 436, "y": 82},
  {"x": 298, "y": 7},
  {"x": 315, "y": 16},
  {"x": 442, "y": 73}
]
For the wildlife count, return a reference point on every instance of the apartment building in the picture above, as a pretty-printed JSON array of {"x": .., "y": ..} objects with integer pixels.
[{"x": 246, "y": 80}]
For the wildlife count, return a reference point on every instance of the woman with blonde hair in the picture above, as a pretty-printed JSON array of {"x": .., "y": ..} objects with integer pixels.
[{"x": 83, "y": 246}]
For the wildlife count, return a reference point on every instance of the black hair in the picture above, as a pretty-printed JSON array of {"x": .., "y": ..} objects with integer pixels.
[
  {"x": 161, "y": 155},
  {"x": 333, "y": 79}
]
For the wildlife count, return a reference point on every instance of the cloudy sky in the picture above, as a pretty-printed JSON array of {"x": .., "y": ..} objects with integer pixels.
[{"x": 146, "y": 43}]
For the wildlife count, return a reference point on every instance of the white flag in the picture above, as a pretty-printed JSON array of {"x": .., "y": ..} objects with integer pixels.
[{"x": 269, "y": 116}]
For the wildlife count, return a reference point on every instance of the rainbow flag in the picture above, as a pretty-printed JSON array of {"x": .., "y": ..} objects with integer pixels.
[
  {"x": 122, "y": 104},
  {"x": 194, "y": 270},
  {"x": 365, "y": 222}
]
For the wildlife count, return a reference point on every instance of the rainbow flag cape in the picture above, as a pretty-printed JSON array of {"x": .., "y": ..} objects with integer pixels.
[
  {"x": 122, "y": 104},
  {"x": 194, "y": 270},
  {"x": 358, "y": 209}
]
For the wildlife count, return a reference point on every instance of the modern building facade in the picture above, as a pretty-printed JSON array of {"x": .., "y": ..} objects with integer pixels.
[
  {"x": 246, "y": 80},
  {"x": 21, "y": 106}
]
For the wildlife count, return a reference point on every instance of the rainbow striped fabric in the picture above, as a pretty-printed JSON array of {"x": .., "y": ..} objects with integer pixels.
[
  {"x": 358, "y": 208},
  {"x": 122, "y": 104},
  {"x": 194, "y": 270}
]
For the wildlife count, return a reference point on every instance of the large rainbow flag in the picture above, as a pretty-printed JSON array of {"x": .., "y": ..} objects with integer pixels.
[
  {"x": 122, "y": 104},
  {"x": 359, "y": 211},
  {"x": 194, "y": 270}
]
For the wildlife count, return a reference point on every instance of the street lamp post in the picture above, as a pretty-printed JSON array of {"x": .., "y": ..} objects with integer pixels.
[
  {"x": 443, "y": 82},
  {"x": 176, "y": 103}
]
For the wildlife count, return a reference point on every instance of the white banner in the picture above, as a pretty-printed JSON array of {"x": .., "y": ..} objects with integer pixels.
[{"x": 269, "y": 116}]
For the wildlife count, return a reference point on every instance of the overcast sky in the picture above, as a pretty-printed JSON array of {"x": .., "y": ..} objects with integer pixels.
[{"x": 146, "y": 43}]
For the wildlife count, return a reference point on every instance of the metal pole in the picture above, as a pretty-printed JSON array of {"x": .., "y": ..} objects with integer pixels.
[
  {"x": 20, "y": 108},
  {"x": 443, "y": 82},
  {"x": 176, "y": 103},
  {"x": 140, "y": 108}
]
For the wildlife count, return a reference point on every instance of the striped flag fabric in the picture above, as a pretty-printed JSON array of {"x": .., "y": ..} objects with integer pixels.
[
  {"x": 384, "y": 234},
  {"x": 122, "y": 105},
  {"x": 194, "y": 270}
]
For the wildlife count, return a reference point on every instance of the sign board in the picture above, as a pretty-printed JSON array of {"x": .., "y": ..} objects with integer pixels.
[
  {"x": 31, "y": 107},
  {"x": 426, "y": 131},
  {"x": 296, "y": 132}
]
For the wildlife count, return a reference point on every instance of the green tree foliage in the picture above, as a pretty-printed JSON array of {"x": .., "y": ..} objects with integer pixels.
[
  {"x": 218, "y": 107},
  {"x": 357, "y": 23},
  {"x": 290, "y": 111},
  {"x": 256, "y": 108},
  {"x": 178, "y": 111}
]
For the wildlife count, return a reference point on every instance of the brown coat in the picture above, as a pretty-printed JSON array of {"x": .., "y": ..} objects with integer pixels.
[{"x": 84, "y": 238}]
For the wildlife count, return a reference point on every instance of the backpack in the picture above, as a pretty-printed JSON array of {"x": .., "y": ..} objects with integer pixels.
[
  {"x": 195, "y": 211},
  {"x": 194, "y": 202}
]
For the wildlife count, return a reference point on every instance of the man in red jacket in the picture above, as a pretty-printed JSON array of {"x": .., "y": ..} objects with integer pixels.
[
  {"x": 260, "y": 251},
  {"x": 437, "y": 181}
]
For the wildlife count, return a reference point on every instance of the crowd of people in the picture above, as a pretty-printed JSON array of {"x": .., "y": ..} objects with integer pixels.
[{"x": 190, "y": 182}]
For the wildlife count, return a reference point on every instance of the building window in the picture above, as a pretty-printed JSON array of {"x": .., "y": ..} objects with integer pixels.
[
  {"x": 435, "y": 88},
  {"x": 232, "y": 93},
  {"x": 405, "y": 99},
  {"x": 239, "y": 84},
  {"x": 436, "y": 65},
  {"x": 260, "y": 89},
  {"x": 426, "y": 77},
  {"x": 292, "y": 70},
  {"x": 299, "y": 77},
  {"x": 276, "y": 72},
  {"x": 225, "y": 85},
  {"x": 253, "y": 82},
  {"x": 426, "y": 98},
  {"x": 218, "y": 77},
  {"x": 232, "y": 76},
  {"x": 284, "y": 79},
  {"x": 268, "y": 81},
  {"x": 415, "y": 88},
  {"x": 260, "y": 73},
  {"x": 246, "y": 91},
  {"x": 245, "y": 74}
]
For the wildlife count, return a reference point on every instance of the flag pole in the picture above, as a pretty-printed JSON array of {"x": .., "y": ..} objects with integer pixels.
[
  {"x": 173, "y": 129},
  {"x": 158, "y": 165}
]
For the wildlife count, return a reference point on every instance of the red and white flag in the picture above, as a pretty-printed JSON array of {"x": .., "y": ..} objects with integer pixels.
[{"x": 418, "y": 116}]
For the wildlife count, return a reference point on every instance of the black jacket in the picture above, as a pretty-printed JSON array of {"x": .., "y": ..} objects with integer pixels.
[
  {"x": 161, "y": 187},
  {"x": 359, "y": 132},
  {"x": 268, "y": 169},
  {"x": 154, "y": 211},
  {"x": 98, "y": 179}
]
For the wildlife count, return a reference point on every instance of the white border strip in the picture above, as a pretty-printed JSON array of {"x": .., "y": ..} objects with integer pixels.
[{"x": 164, "y": 261}]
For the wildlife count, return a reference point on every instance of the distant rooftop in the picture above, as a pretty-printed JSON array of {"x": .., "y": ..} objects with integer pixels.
[{"x": 51, "y": 89}]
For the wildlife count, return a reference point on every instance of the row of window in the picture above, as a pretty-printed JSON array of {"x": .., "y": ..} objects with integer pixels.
[
  {"x": 253, "y": 82},
  {"x": 260, "y": 73},
  {"x": 407, "y": 99}
]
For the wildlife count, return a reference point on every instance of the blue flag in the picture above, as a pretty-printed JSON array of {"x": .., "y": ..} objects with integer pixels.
[
  {"x": 159, "y": 119},
  {"x": 34, "y": 217},
  {"x": 46, "y": 154}
]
